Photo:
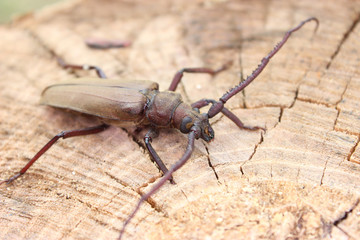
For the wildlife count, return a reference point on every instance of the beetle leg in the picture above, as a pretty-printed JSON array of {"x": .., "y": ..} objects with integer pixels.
[
  {"x": 65, "y": 65},
  {"x": 238, "y": 122},
  {"x": 178, "y": 76},
  {"x": 204, "y": 102},
  {"x": 194, "y": 133},
  {"x": 152, "y": 133},
  {"x": 63, "y": 134},
  {"x": 105, "y": 44}
]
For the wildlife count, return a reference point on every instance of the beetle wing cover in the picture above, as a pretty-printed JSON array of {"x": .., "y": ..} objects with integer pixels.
[{"x": 121, "y": 100}]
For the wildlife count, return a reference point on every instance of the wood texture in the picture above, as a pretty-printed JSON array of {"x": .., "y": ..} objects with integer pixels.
[{"x": 299, "y": 180}]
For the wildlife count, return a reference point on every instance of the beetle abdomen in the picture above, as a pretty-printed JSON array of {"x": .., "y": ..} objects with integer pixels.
[{"x": 111, "y": 99}]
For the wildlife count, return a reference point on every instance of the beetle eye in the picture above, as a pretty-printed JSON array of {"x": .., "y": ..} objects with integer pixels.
[
  {"x": 186, "y": 124},
  {"x": 206, "y": 130},
  {"x": 207, "y": 133}
]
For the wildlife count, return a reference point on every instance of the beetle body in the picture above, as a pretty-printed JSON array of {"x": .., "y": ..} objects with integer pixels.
[
  {"x": 121, "y": 102},
  {"x": 125, "y": 103}
]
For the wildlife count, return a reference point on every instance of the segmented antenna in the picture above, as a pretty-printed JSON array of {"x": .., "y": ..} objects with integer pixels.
[
  {"x": 265, "y": 61},
  {"x": 217, "y": 107}
]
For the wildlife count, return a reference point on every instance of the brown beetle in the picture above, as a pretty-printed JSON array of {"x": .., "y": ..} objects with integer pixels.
[{"x": 140, "y": 103}]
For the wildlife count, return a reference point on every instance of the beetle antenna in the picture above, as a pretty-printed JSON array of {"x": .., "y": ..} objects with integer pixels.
[{"x": 218, "y": 106}]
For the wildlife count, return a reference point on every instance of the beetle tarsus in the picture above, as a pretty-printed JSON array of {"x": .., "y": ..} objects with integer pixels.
[
  {"x": 63, "y": 134},
  {"x": 10, "y": 180},
  {"x": 65, "y": 65}
]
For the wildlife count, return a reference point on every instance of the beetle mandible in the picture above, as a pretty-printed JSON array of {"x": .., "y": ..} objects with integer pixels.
[{"x": 122, "y": 102}]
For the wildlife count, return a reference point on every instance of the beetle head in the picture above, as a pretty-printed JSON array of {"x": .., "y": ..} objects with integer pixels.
[
  {"x": 207, "y": 133},
  {"x": 201, "y": 123}
]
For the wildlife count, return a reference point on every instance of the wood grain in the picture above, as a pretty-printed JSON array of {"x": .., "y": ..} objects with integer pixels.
[{"x": 299, "y": 180}]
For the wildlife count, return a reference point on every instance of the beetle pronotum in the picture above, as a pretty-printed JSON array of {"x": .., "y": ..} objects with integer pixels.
[{"x": 121, "y": 102}]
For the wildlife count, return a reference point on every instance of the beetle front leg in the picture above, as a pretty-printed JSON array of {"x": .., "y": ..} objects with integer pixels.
[
  {"x": 204, "y": 102},
  {"x": 152, "y": 133},
  {"x": 65, "y": 65},
  {"x": 63, "y": 134},
  {"x": 178, "y": 76},
  {"x": 194, "y": 134}
]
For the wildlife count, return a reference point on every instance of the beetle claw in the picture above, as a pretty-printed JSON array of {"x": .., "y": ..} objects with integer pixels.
[{"x": 9, "y": 180}]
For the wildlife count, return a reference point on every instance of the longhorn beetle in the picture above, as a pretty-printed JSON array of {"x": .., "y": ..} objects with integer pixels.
[{"x": 121, "y": 102}]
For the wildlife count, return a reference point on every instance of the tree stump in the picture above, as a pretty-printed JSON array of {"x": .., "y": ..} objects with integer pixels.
[{"x": 298, "y": 180}]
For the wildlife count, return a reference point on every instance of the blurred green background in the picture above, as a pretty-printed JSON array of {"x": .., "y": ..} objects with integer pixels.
[{"x": 11, "y": 8}]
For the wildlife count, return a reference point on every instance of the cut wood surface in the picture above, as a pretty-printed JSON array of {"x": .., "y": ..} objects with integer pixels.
[{"x": 298, "y": 180}]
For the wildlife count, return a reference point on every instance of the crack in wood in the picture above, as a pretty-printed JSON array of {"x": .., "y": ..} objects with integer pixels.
[
  {"x": 295, "y": 97},
  {"x": 338, "y": 102},
  {"x": 253, "y": 153},
  {"x": 342, "y": 218},
  {"x": 187, "y": 199},
  {"x": 352, "y": 150},
  {"x": 258, "y": 107},
  {"x": 327, "y": 158},
  {"x": 347, "y": 131},
  {"x": 328, "y": 226},
  {"x": 242, "y": 171},
  {"x": 95, "y": 209},
  {"x": 297, "y": 175},
  {"x": 65, "y": 234},
  {"x": 313, "y": 101},
  {"x": 155, "y": 206},
  {"x": 151, "y": 180},
  {"x": 342, "y": 41},
  {"x": 323, "y": 173},
  {"x": 133, "y": 137},
  {"x": 280, "y": 117},
  {"x": 346, "y": 214},
  {"x": 122, "y": 183},
  {"x": 209, "y": 162}
]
